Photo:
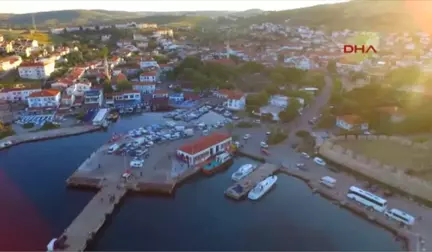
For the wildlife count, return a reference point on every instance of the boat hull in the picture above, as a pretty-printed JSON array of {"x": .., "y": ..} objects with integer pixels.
[
  {"x": 237, "y": 178},
  {"x": 257, "y": 196},
  {"x": 218, "y": 168}
]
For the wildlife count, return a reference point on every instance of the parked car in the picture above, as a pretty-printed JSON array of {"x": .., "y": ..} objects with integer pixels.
[
  {"x": 246, "y": 137},
  {"x": 264, "y": 145},
  {"x": 319, "y": 161}
]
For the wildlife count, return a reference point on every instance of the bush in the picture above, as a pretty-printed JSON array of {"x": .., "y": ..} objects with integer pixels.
[
  {"x": 80, "y": 116},
  {"x": 49, "y": 126},
  {"x": 245, "y": 125},
  {"x": 6, "y": 133},
  {"x": 277, "y": 137},
  {"x": 303, "y": 133},
  {"x": 421, "y": 139},
  {"x": 28, "y": 125}
]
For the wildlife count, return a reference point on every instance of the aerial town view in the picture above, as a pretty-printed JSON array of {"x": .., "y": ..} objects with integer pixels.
[{"x": 200, "y": 125}]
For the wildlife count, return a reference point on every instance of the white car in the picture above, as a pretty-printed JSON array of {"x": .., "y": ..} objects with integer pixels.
[
  {"x": 138, "y": 163},
  {"x": 268, "y": 133},
  {"x": 319, "y": 161},
  {"x": 305, "y": 155},
  {"x": 264, "y": 145},
  {"x": 246, "y": 137}
]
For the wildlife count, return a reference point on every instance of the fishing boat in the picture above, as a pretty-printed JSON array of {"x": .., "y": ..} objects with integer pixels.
[
  {"x": 221, "y": 162},
  {"x": 262, "y": 188},
  {"x": 243, "y": 171}
]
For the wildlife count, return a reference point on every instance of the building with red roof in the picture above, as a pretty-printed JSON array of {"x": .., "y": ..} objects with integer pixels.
[
  {"x": 36, "y": 70},
  {"x": 205, "y": 147},
  {"x": 235, "y": 100},
  {"x": 152, "y": 76},
  {"x": 44, "y": 98},
  {"x": 351, "y": 122},
  {"x": 17, "y": 94}
]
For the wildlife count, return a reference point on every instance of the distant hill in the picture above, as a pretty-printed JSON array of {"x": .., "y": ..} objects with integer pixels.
[
  {"x": 356, "y": 14},
  {"x": 83, "y": 17}
]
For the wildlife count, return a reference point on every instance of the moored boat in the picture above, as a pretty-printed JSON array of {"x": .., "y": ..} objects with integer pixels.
[
  {"x": 262, "y": 188},
  {"x": 243, "y": 171},
  {"x": 221, "y": 161}
]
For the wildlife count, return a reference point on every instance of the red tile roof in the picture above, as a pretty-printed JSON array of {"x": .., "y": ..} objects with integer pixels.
[
  {"x": 204, "y": 143},
  {"x": 231, "y": 94},
  {"x": 126, "y": 92},
  {"x": 45, "y": 93},
  {"x": 35, "y": 64},
  {"x": 160, "y": 91},
  {"x": 351, "y": 119},
  {"x": 143, "y": 83},
  {"x": 149, "y": 73}
]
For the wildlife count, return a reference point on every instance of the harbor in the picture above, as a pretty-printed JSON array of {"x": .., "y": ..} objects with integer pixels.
[
  {"x": 242, "y": 187},
  {"x": 46, "y": 135}
]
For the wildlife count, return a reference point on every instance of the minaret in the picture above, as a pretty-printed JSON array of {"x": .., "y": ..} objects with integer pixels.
[
  {"x": 33, "y": 21},
  {"x": 228, "y": 49},
  {"x": 106, "y": 68}
]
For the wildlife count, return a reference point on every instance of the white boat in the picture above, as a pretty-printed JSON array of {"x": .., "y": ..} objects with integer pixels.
[
  {"x": 243, "y": 171},
  {"x": 262, "y": 187},
  {"x": 51, "y": 245}
]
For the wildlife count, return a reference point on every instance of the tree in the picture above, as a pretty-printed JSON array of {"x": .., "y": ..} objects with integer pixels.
[
  {"x": 123, "y": 85},
  {"x": 107, "y": 88},
  {"x": 331, "y": 66},
  {"x": 177, "y": 90},
  {"x": 277, "y": 78},
  {"x": 291, "y": 111},
  {"x": 152, "y": 44}
]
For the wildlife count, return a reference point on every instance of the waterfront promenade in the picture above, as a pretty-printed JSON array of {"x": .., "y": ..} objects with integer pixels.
[
  {"x": 48, "y": 134},
  {"x": 85, "y": 226}
]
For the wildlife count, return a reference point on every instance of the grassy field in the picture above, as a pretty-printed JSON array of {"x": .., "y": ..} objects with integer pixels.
[
  {"x": 41, "y": 37},
  {"x": 391, "y": 153}
]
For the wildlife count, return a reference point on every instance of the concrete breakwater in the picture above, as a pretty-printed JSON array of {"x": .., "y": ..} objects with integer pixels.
[{"x": 48, "y": 134}]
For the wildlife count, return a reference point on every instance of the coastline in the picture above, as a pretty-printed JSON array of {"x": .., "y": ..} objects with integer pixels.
[{"x": 49, "y": 134}]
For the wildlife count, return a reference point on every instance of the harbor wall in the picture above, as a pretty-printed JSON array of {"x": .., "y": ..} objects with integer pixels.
[{"x": 395, "y": 177}]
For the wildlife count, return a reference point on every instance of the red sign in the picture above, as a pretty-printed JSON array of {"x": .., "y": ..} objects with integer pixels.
[{"x": 355, "y": 49}]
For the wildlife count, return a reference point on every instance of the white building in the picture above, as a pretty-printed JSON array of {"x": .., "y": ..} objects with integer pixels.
[
  {"x": 78, "y": 89},
  {"x": 144, "y": 87},
  {"x": 36, "y": 70},
  {"x": 152, "y": 76},
  {"x": 203, "y": 148},
  {"x": 279, "y": 101},
  {"x": 148, "y": 62},
  {"x": 236, "y": 100},
  {"x": 17, "y": 94},
  {"x": 93, "y": 96},
  {"x": 44, "y": 98},
  {"x": 130, "y": 95},
  {"x": 351, "y": 122}
]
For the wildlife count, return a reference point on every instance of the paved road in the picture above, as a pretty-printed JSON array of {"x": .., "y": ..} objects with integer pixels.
[{"x": 301, "y": 123}]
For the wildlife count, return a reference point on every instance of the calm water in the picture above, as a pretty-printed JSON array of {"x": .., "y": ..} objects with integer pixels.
[{"x": 36, "y": 206}]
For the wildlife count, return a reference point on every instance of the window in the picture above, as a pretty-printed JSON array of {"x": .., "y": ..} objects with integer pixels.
[
  {"x": 400, "y": 217},
  {"x": 367, "y": 198}
]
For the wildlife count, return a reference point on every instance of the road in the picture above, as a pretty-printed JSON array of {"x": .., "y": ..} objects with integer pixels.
[{"x": 302, "y": 122}]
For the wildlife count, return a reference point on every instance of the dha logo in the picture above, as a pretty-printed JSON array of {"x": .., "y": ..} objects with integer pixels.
[{"x": 355, "y": 49}]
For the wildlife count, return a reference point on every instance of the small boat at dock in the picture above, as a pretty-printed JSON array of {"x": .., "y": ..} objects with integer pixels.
[
  {"x": 221, "y": 162},
  {"x": 262, "y": 188},
  {"x": 243, "y": 171}
]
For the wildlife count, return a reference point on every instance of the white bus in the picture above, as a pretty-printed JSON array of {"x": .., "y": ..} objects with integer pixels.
[
  {"x": 400, "y": 216},
  {"x": 368, "y": 199}
]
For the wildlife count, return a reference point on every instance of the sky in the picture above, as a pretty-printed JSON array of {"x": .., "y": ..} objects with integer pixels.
[{"x": 23, "y": 6}]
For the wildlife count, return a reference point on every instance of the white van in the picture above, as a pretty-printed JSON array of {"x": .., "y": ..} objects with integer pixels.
[
  {"x": 400, "y": 216},
  {"x": 328, "y": 181},
  {"x": 113, "y": 148}
]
